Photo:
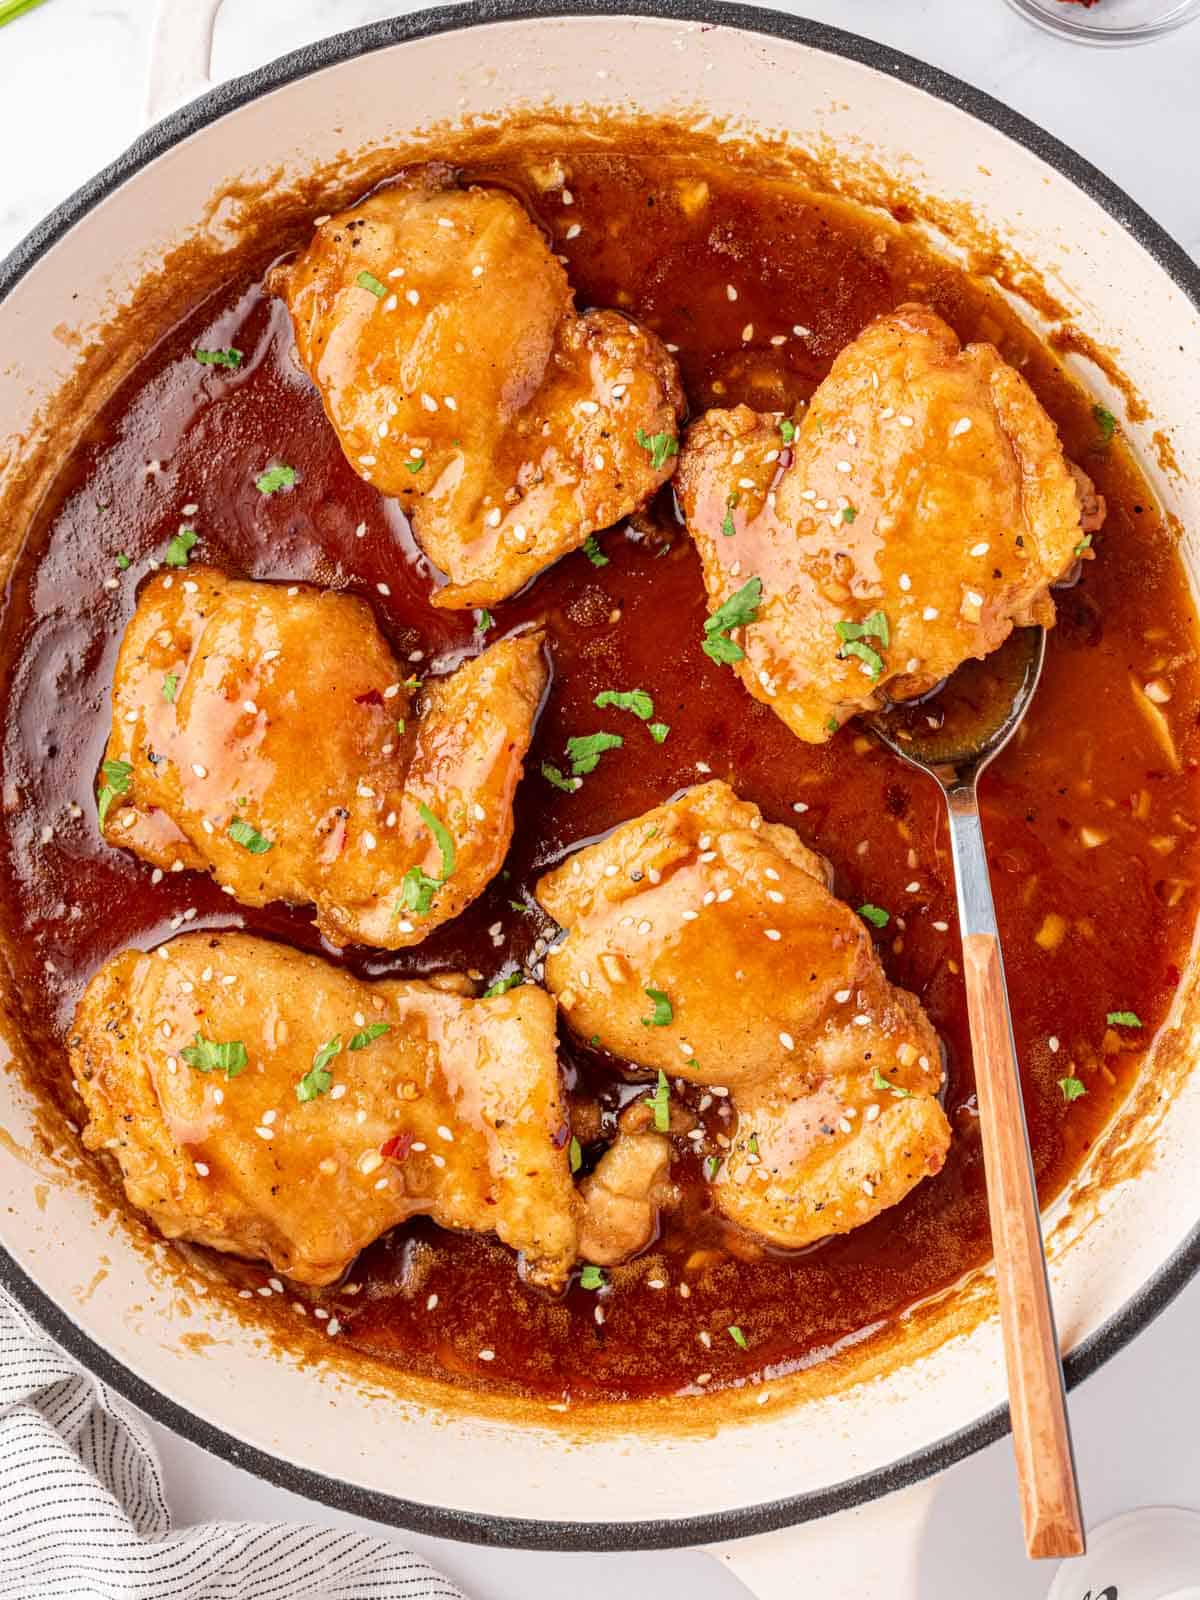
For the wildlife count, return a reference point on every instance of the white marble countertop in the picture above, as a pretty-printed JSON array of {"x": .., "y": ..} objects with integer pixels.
[{"x": 71, "y": 76}]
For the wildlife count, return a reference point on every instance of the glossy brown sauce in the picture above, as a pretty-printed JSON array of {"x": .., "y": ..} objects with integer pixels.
[{"x": 180, "y": 435}]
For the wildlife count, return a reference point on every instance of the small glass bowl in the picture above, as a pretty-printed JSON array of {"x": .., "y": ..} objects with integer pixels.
[{"x": 1108, "y": 22}]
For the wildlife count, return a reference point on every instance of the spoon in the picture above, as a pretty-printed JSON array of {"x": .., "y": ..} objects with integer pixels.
[{"x": 952, "y": 735}]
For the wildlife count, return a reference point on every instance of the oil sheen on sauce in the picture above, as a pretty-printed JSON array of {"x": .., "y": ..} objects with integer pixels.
[{"x": 1087, "y": 815}]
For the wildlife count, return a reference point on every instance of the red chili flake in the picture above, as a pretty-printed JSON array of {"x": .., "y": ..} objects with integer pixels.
[
  {"x": 785, "y": 456},
  {"x": 371, "y": 698},
  {"x": 397, "y": 1147},
  {"x": 1173, "y": 976}
]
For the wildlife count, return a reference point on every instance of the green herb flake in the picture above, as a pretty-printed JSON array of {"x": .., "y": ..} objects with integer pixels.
[
  {"x": 787, "y": 430},
  {"x": 873, "y": 627},
  {"x": 318, "y": 1079},
  {"x": 872, "y": 660},
  {"x": 1123, "y": 1019},
  {"x": 1071, "y": 1089},
  {"x": 635, "y": 700},
  {"x": 123, "y": 562},
  {"x": 218, "y": 358},
  {"x": 575, "y": 1154},
  {"x": 248, "y": 836},
  {"x": 417, "y": 890},
  {"x": 660, "y": 1103},
  {"x": 414, "y": 466},
  {"x": 368, "y": 280},
  {"x": 752, "y": 1144},
  {"x": 592, "y": 1277},
  {"x": 738, "y": 1337},
  {"x": 1105, "y": 421},
  {"x": 170, "y": 686},
  {"x": 662, "y": 446},
  {"x": 727, "y": 527},
  {"x": 849, "y": 513},
  {"x": 484, "y": 622},
  {"x": 554, "y": 775},
  {"x": 280, "y": 476},
  {"x": 116, "y": 775},
  {"x": 179, "y": 548},
  {"x": 206, "y": 1055},
  {"x": 712, "y": 1165},
  {"x": 445, "y": 840},
  {"x": 512, "y": 980},
  {"x": 875, "y": 915},
  {"x": 368, "y": 1035},
  {"x": 659, "y": 731},
  {"x": 663, "y": 1014},
  {"x": 882, "y": 1084},
  {"x": 832, "y": 725},
  {"x": 592, "y": 550},
  {"x": 738, "y": 611},
  {"x": 1084, "y": 544},
  {"x": 584, "y": 750}
]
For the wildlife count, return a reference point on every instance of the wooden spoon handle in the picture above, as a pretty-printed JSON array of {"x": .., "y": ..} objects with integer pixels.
[{"x": 1037, "y": 1400}]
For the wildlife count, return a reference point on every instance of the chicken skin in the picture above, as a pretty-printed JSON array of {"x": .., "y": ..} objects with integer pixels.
[
  {"x": 441, "y": 332},
  {"x": 914, "y": 514},
  {"x": 716, "y": 953},
  {"x": 265, "y": 1103},
  {"x": 264, "y": 733}
]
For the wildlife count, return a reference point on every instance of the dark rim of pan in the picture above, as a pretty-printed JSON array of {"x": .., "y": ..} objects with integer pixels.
[{"x": 651, "y": 1533}]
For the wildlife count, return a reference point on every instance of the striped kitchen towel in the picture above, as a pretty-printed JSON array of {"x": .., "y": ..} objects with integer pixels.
[{"x": 83, "y": 1514}]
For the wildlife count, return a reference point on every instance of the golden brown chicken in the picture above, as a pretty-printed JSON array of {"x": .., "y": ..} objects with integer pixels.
[
  {"x": 909, "y": 518},
  {"x": 441, "y": 332},
  {"x": 266, "y": 733},
  {"x": 263, "y": 1102},
  {"x": 716, "y": 953}
]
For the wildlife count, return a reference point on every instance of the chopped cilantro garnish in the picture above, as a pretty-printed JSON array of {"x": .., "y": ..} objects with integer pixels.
[
  {"x": 880, "y": 1082},
  {"x": 875, "y": 915},
  {"x": 873, "y": 627},
  {"x": 368, "y": 280},
  {"x": 170, "y": 685},
  {"x": 1105, "y": 421},
  {"x": 417, "y": 890},
  {"x": 872, "y": 659},
  {"x": 662, "y": 446},
  {"x": 584, "y": 750},
  {"x": 752, "y": 1144},
  {"x": 575, "y": 1154},
  {"x": 832, "y": 724},
  {"x": 484, "y": 622},
  {"x": 441, "y": 833},
  {"x": 592, "y": 550},
  {"x": 1084, "y": 544},
  {"x": 206, "y": 1055},
  {"x": 659, "y": 731},
  {"x": 592, "y": 1277},
  {"x": 1123, "y": 1019},
  {"x": 727, "y": 527},
  {"x": 415, "y": 464},
  {"x": 849, "y": 513},
  {"x": 218, "y": 358},
  {"x": 787, "y": 430},
  {"x": 738, "y": 1337},
  {"x": 635, "y": 700},
  {"x": 1071, "y": 1089},
  {"x": 116, "y": 775},
  {"x": 512, "y": 980},
  {"x": 712, "y": 1165},
  {"x": 368, "y": 1035},
  {"x": 123, "y": 562},
  {"x": 180, "y": 545},
  {"x": 318, "y": 1079},
  {"x": 737, "y": 612},
  {"x": 280, "y": 476},
  {"x": 248, "y": 836},
  {"x": 558, "y": 778},
  {"x": 660, "y": 1101},
  {"x": 662, "y": 1013}
]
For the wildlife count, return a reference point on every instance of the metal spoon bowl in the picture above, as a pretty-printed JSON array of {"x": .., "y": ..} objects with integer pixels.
[{"x": 952, "y": 734}]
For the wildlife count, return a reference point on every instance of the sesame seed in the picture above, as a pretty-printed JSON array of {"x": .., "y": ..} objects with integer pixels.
[
  {"x": 643, "y": 927},
  {"x": 730, "y": 292},
  {"x": 487, "y": 1355},
  {"x": 747, "y": 333},
  {"x": 772, "y": 933},
  {"x": 799, "y": 805},
  {"x": 268, "y": 1117},
  {"x": 369, "y": 1162},
  {"x": 963, "y": 425},
  {"x": 905, "y": 422},
  {"x": 265, "y": 1133},
  {"x": 493, "y": 517},
  {"x": 912, "y": 888},
  {"x": 444, "y": 1133},
  {"x": 429, "y": 402},
  {"x": 338, "y": 1091},
  {"x": 688, "y": 916},
  {"x": 941, "y": 927},
  {"x": 724, "y": 895},
  {"x": 787, "y": 1041},
  {"x": 905, "y": 582},
  {"x": 201, "y": 1169},
  {"x": 845, "y": 1125},
  {"x": 412, "y": 296},
  {"x": 980, "y": 549},
  {"x": 871, "y": 1113},
  {"x": 844, "y": 466},
  {"x": 383, "y": 589},
  {"x": 574, "y": 231},
  {"x": 1052, "y": 1041},
  {"x": 868, "y": 1187},
  {"x": 862, "y": 1020},
  {"x": 929, "y": 614}
]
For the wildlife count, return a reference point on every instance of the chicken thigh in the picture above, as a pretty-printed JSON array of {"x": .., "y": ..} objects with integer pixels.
[
  {"x": 704, "y": 943},
  {"x": 264, "y": 733},
  {"x": 915, "y": 513},
  {"x": 265, "y": 1103},
  {"x": 441, "y": 332}
]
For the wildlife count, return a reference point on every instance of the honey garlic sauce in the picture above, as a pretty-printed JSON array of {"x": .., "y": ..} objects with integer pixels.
[{"x": 1089, "y": 816}]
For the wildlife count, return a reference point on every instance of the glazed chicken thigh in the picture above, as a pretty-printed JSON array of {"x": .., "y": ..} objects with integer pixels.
[
  {"x": 265, "y": 1103},
  {"x": 909, "y": 518},
  {"x": 705, "y": 943},
  {"x": 267, "y": 734},
  {"x": 441, "y": 332}
]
